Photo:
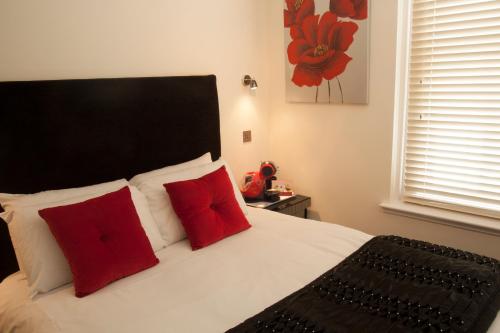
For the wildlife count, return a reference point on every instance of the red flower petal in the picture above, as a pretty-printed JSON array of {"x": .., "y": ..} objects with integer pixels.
[
  {"x": 304, "y": 75},
  {"x": 327, "y": 21},
  {"x": 287, "y": 18},
  {"x": 290, "y": 5},
  {"x": 309, "y": 28},
  {"x": 361, "y": 7},
  {"x": 336, "y": 65},
  {"x": 332, "y": 36},
  {"x": 316, "y": 61},
  {"x": 296, "y": 32},
  {"x": 306, "y": 9},
  {"x": 296, "y": 49},
  {"x": 344, "y": 36},
  {"x": 343, "y": 8}
]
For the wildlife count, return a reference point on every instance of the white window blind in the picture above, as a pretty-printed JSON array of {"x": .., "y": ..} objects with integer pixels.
[{"x": 452, "y": 150}]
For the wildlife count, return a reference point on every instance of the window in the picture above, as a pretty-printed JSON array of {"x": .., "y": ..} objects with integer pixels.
[{"x": 449, "y": 156}]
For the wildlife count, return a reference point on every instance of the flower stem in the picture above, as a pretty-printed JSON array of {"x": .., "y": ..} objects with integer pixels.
[
  {"x": 317, "y": 88},
  {"x": 329, "y": 92},
  {"x": 340, "y": 87}
]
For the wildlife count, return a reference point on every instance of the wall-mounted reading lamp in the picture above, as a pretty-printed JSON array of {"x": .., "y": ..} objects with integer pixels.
[{"x": 248, "y": 81}]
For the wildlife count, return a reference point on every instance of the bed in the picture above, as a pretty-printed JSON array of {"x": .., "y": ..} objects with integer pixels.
[{"x": 115, "y": 127}]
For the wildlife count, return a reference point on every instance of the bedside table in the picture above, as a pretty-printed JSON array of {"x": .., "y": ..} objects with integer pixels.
[{"x": 296, "y": 206}]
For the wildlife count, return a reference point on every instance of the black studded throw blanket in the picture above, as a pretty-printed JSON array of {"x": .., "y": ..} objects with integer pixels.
[{"x": 392, "y": 284}]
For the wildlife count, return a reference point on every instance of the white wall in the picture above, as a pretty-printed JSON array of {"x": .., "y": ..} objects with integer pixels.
[
  {"x": 341, "y": 155},
  {"x": 58, "y": 39}
]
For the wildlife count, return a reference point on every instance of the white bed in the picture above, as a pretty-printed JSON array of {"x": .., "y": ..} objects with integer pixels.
[{"x": 209, "y": 290}]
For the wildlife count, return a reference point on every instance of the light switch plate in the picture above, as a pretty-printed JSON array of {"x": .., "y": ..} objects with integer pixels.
[{"x": 247, "y": 136}]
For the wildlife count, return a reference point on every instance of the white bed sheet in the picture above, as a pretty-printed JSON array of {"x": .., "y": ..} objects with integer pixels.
[{"x": 209, "y": 290}]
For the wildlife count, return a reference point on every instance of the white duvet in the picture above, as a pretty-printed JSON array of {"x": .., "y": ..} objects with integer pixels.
[{"x": 209, "y": 290}]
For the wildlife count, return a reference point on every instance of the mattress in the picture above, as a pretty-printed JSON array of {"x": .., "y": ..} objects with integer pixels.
[{"x": 209, "y": 290}]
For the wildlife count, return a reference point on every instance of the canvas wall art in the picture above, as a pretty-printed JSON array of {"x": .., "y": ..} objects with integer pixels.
[{"x": 326, "y": 51}]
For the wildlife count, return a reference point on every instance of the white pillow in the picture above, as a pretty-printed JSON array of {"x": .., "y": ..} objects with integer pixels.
[
  {"x": 161, "y": 208},
  {"x": 142, "y": 177},
  {"x": 147, "y": 221},
  {"x": 39, "y": 256}
]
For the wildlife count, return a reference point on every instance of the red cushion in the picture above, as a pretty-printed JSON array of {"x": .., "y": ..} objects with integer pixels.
[
  {"x": 207, "y": 208},
  {"x": 102, "y": 239}
]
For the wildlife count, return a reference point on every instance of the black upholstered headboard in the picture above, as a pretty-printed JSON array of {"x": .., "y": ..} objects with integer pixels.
[{"x": 69, "y": 133}]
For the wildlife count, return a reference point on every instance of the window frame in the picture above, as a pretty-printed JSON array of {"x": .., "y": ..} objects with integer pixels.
[{"x": 396, "y": 205}]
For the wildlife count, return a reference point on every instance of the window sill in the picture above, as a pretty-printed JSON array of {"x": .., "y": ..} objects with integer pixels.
[{"x": 460, "y": 220}]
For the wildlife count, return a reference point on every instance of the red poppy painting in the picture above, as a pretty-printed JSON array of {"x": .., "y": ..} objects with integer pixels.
[{"x": 326, "y": 51}]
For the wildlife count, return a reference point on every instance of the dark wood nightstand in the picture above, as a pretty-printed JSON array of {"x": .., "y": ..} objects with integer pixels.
[{"x": 296, "y": 206}]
